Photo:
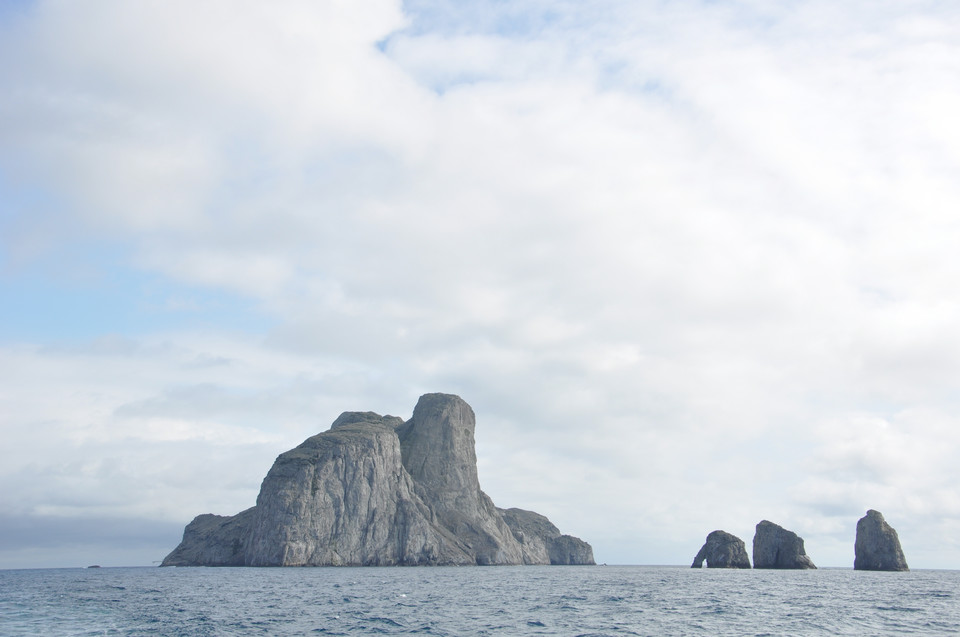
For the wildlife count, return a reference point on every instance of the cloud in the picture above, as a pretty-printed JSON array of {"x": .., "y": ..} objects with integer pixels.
[
  {"x": 45, "y": 541},
  {"x": 692, "y": 264}
]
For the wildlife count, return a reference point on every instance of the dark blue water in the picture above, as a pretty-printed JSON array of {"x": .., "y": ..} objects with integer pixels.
[{"x": 557, "y": 600}]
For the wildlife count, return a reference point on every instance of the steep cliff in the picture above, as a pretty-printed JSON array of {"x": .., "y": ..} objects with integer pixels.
[
  {"x": 342, "y": 497},
  {"x": 438, "y": 449},
  {"x": 776, "y": 547},
  {"x": 877, "y": 547},
  {"x": 374, "y": 490},
  {"x": 722, "y": 550}
]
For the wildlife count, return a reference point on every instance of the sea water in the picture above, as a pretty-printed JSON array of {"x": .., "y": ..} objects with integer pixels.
[{"x": 531, "y": 600}]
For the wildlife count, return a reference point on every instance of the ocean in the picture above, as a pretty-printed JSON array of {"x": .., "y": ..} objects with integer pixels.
[{"x": 530, "y": 600}]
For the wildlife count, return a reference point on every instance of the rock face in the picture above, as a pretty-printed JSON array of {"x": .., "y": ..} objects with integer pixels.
[
  {"x": 877, "y": 547},
  {"x": 375, "y": 490},
  {"x": 722, "y": 550},
  {"x": 213, "y": 540},
  {"x": 776, "y": 547},
  {"x": 542, "y": 542}
]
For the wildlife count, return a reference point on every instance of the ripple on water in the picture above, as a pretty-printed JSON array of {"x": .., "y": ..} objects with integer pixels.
[{"x": 586, "y": 601}]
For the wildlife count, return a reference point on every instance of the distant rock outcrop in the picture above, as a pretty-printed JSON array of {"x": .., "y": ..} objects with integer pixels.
[
  {"x": 722, "y": 550},
  {"x": 776, "y": 547},
  {"x": 375, "y": 490},
  {"x": 877, "y": 547}
]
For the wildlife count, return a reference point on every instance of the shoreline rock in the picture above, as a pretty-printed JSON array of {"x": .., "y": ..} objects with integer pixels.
[{"x": 377, "y": 491}]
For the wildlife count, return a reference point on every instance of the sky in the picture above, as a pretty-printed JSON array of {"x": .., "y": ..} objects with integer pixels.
[{"x": 693, "y": 264}]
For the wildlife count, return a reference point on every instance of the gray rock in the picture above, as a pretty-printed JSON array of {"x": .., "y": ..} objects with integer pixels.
[
  {"x": 570, "y": 550},
  {"x": 438, "y": 451},
  {"x": 343, "y": 498},
  {"x": 212, "y": 540},
  {"x": 542, "y": 542},
  {"x": 877, "y": 547},
  {"x": 722, "y": 550},
  {"x": 776, "y": 547},
  {"x": 374, "y": 490}
]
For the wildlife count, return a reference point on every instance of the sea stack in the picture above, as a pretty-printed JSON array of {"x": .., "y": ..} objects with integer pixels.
[
  {"x": 722, "y": 550},
  {"x": 776, "y": 547},
  {"x": 377, "y": 491},
  {"x": 877, "y": 547}
]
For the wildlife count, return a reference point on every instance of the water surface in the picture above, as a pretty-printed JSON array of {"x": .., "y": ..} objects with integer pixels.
[{"x": 531, "y": 600}]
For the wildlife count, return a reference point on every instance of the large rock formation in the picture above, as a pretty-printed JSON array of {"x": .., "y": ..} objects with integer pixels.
[
  {"x": 722, "y": 550},
  {"x": 776, "y": 547},
  {"x": 374, "y": 490},
  {"x": 877, "y": 547}
]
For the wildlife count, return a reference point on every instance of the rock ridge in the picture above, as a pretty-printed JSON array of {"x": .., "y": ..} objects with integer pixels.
[{"x": 377, "y": 491}]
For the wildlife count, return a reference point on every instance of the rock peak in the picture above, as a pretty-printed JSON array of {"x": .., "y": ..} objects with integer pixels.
[
  {"x": 439, "y": 450},
  {"x": 776, "y": 547},
  {"x": 877, "y": 547}
]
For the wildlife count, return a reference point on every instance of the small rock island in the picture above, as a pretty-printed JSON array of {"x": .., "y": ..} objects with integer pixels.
[
  {"x": 722, "y": 550},
  {"x": 776, "y": 547},
  {"x": 377, "y": 491},
  {"x": 877, "y": 547}
]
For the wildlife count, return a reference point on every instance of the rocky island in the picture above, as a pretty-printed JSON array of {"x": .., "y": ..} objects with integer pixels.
[
  {"x": 722, "y": 550},
  {"x": 377, "y": 491},
  {"x": 776, "y": 547},
  {"x": 877, "y": 547}
]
